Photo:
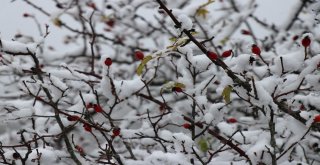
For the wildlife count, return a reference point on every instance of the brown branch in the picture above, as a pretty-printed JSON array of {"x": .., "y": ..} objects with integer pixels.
[{"x": 217, "y": 62}]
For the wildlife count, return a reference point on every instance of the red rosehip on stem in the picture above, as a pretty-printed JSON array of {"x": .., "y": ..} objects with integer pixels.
[
  {"x": 212, "y": 55},
  {"x": 110, "y": 22},
  {"x": 227, "y": 53},
  {"x": 116, "y": 131},
  {"x": 177, "y": 89},
  {"x": 92, "y": 5},
  {"x": 255, "y": 49},
  {"x": 316, "y": 119},
  {"x": 294, "y": 38},
  {"x": 232, "y": 120},
  {"x": 245, "y": 32},
  {"x": 108, "y": 61},
  {"x": 302, "y": 107},
  {"x": 89, "y": 105},
  {"x": 97, "y": 108},
  {"x": 186, "y": 125},
  {"x": 306, "y": 41},
  {"x": 73, "y": 118},
  {"x": 139, "y": 55},
  {"x": 16, "y": 155},
  {"x": 26, "y": 15},
  {"x": 79, "y": 149},
  {"x": 87, "y": 127}
]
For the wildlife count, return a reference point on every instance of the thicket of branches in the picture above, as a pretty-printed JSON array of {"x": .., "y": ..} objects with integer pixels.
[{"x": 162, "y": 82}]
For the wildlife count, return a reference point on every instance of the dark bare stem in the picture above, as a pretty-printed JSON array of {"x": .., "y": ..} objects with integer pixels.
[
  {"x": 272, "y": 137},
  {"x": 217, "y": 62}
]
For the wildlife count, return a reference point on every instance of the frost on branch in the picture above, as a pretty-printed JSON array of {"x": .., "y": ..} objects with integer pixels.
[{"x": 153, "y": 82}]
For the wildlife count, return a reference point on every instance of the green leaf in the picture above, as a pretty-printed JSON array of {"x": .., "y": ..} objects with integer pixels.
[
  {"x": 226, "y": 93},
  {"x": 173, "y": 39},
  {"x": 179, "y": 85},
  {"x": 142, "y": 64},
  {"x": 203, "y": 145},
  {"x": 202, "y": 12}
]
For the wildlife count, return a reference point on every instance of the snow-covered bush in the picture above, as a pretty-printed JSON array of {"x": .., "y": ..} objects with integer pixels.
[{"x": 143, "y": 82}]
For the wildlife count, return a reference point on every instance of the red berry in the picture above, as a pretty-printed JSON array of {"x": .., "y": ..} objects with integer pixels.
[
  {"x": 116, "y": 131},
  {"x": 177, "y": 89},
  {"x": 316, "y": 119},
  {"x": 97, "y": 108},
  {"x": 110, "y": 22},
  {"x": 87, "y": 127},
  {"x": 227, "y": 53},
  {"x": 89, "y": 105},
  {"x": 255, "y": 50},
  {"x": 139, "y": 55},
  {"x": 79, "y": 149},
  {"x": 73, "y": 118},
  {"x": 16, "y": 155},
  {"x": 306, "y": 41},
  {"x": 302, "y": 107},
  {"x": 295, "y": 37},
  {"x": 26, "y": 15},
  {"x": 92, "y": 5},
  {"x": 108, "y": 61},
  {"x": 212, "y": 55},
  {"x": 245, "y": 32},
  {"x": 186, "y": 125},
  {"x": 232, "y": 120}
]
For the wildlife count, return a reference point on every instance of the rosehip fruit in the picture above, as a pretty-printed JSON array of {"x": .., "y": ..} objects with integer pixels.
[
  {"x": 26, "y": 15},
  {"x": 186, "y": 125},
  {"x": 306, "y": 41},
  {"x": 316, "y": 119},
  {"x": 97, "y": 108},
  {"x": 232, "y": 120},
  {"x": 177, "y": 89},
  {"x": 255, "y": 50},
  {"x": 294, "y": 38},
  {"x": 73, "y": 118},
  {"x": 89, "y": 105},
  {"x": 87, "y": 127},
  {"x": 245, "y": 32},
  {"x": 108, "y": 61},
  {"x": 212, "y": 55},
  {"x": 116, "y": 131},
  {"x": 227, "y": 53},
  {"x": 139, "y": 55},
  {"x": 79, "y": 149},
  {"x": 92, "y": 5},
  {"x": 110, "y": 22}
]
